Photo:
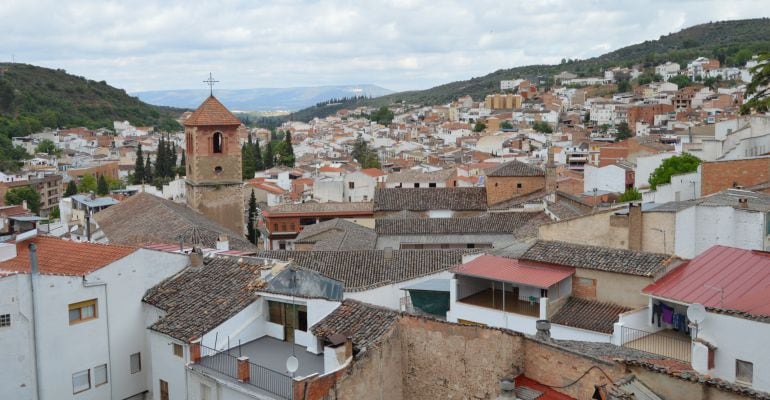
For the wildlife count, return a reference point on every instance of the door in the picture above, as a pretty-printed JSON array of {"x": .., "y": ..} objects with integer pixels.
[{"x": 163, "y": 390}]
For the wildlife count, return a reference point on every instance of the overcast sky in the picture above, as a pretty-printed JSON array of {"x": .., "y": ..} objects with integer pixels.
[{"x": 400, "y": 45}]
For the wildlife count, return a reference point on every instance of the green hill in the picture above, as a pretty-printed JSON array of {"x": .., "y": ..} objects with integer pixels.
[
  {"x": 32, "y": 98},
  {"x": 732, "y": 42}
]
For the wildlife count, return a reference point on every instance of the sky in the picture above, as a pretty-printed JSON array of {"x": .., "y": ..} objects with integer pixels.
[{"x": 400, "y": 45}]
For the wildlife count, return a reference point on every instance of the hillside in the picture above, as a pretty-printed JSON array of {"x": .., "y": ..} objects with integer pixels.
[
  {"x": 729, "y": 41},
  {"x": 32, "y": 98},
  {"x": 261, "y": 99}
]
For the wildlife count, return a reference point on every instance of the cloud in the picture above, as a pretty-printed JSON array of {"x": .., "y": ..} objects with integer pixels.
[{"x": 401, "y": 44}]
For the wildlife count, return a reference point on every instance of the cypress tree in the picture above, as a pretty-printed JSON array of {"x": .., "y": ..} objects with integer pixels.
[
  {"x": 148, "y": 171},
  {"x": 287, "y": 153},
  {"x": 72, "y": 189},
  {"x": 247, "y": 160},
  {"x": 139, "y": 174},
  {"x": 183, "y": 165},
  {"x": 102, "y": 189},
  {"x": 251, "y": 232},
  {"x": 267, "y": 160},
  {"x": 258, "y": 164},
  {"x": 160, "y": 159}
]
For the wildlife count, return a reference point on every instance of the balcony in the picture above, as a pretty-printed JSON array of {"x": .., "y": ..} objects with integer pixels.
[
  {"x": 494, "y": 299},
  {"x": 266, "y": 361},
  {"x": 667, "y": 343}
]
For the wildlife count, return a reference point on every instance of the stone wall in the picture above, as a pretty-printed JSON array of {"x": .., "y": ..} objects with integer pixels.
[{"x": 220, "y": 203}]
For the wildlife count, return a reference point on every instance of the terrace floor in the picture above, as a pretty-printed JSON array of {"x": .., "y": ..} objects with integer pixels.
[
  {"x": 494, "y": 300},
  {"x": 272, "y": 353},
  {"x": 666, "y": 343}
]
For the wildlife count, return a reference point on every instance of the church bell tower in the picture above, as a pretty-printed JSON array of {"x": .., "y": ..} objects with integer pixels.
[{"x": 214, "y": 185}]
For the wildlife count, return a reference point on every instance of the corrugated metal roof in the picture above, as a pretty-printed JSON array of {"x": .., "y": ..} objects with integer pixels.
[
  {"x": 530, "y": 273},
  {"x": 721, "y": 277}
]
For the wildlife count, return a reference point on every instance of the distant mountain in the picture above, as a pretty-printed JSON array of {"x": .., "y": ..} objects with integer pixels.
[
  {"x": 261, "y": 99},
  {"x": 728, "y": 41}
]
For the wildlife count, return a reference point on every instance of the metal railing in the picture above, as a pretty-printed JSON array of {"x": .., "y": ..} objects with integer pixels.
[
  {"x": 262, "y": 377},
  {"x": 663, "y": 343}
]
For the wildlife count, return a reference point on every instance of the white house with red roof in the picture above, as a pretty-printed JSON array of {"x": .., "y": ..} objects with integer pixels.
[
  {"x": 74, "y": 327},
  {"x": 731, "y": 341}
]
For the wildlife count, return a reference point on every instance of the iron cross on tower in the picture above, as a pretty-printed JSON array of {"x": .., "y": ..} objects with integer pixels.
[{"x": 211, "y": 83}]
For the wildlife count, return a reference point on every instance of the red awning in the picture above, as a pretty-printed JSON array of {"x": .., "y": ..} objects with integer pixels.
[{"x": 510, "y": 270}]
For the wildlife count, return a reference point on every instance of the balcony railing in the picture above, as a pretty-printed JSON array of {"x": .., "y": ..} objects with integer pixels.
[
  {"x": 665, "y": 343},
  {"x": 494, "y": 299},
  {"x": 261, "y": 377}
]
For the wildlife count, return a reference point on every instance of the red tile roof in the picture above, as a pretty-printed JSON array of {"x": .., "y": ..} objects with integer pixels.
[
  {"x": 515, "y": 271},
  {"x": 373, "y": 172},
  {"x": 64, "y": 257},
  {"x": 548, "y": 393},
  {"x": 721, "y": 277},
  {"x": 212, "y": 113}
]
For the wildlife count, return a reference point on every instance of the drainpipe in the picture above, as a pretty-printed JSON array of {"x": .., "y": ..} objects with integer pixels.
[
  {"x": 33, "y": 274},
  {"x": 107, "y": 321}
]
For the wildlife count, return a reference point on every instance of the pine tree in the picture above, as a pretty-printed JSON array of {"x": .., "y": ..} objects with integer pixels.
[
  {"x": 139, "y": 174},
  {"x": 267, "y": 160},
  {"x": 72, "y": 189},
  {"x": 258, "y": 164},
  {"x": 252, "y": 232},
  {"x": 102, "y": 189}
]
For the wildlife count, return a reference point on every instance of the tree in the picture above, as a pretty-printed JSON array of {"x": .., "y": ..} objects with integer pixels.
[
  {"x": 506, "y": 125},
  {"x": 286, "y": 151},
  {"x": 55, "y": 213},
  {"x": 147, "y": 171},
  {"x": 676, "y": 165},
  {"x": 758, "y": 90},
  {"x": 258, "y": 164},
  {"x": 680, "y": 80},
  {"x": 268, "y": 160},
  {"x": 87, "y": 184},
  {"x": 542, "y": 127},
  {"x": 480, "y": 126},
  {"x": 139, "y": 175},
  {"x": 624, "y": 86},
  {"x": 182, "y": 168},
  {"x": 247, "y": 160},
  {"x": 382, "y": 116},
  {"x": 630, "y": 194},
  {"x": 624, "y": 132},
  {"x": 47, "y": 146},
  {"x": 363, "y": 154},
  {"x": 251, "y": 231},
  {"x": 72, "y": 189},
  {"x": 102, "y": 188},
  {"x": 18, "y": 195}
]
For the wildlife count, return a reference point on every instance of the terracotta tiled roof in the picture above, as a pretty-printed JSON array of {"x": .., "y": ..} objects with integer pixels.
[
  {"x": 362, "y": 270},
  {"x": 495, "y": 223},
  {"x": 515, "y": 168},
  {"x": 212, "y": 113},
  {"x": 364, "y": 323},
  {"x": 338, "y": 234},
  {"x": 599, "y": 258},
  {"x": 373, "y": 172},
  {"x": 199, "y": 299},
  {"x": 64, "y": 257},
  {"x": 587, "y": 314},
  {"x": 426, "y": 199},
  {"x": 321, "y": 208}
]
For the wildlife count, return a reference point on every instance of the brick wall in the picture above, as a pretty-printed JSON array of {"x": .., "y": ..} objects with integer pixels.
[
  {"x": 505, "y": 188},
  {"x": 720, "y": 175}
]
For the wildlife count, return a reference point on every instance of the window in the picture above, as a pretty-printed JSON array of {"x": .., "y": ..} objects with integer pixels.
[
  {"x": 302, "y": 319},
  {"x": 5, "y": 320},
  {"x": 178, "y": 350},
  {"x": 136, "y": 362},
  {"x": 433, "y": 184},
  {"x": 83, "y": 311},
  {"x": 217, "y": 142},
  {"x": 81, "y": 381},
  {"x": 744, "y": 371},
  {"x": 366, "y": 197},
  {"x": 351, "y": 185},
  {"x": 292, "y": 227},
  {"x": 586, "y": 281},
  {"x": 275, "y": 312},
  {"x": 275, "y": 227},
  {"x": 218, "y": 170},
  {"x": 518, "y": 186},
  {"x": 416, "y": 185},
  {"x": 163, "y": 390},
  {"x": 100, "y": 375}
]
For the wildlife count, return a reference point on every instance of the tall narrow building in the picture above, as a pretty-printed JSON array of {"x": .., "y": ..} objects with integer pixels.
[{"x": 214, "y": 183}]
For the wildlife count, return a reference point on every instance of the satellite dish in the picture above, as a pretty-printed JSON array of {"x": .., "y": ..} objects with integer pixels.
[
  {"x": 696, "y": 313},
  {"x": 292, "y": 364}
]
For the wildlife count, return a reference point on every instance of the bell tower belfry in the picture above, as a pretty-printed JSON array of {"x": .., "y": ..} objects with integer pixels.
[{"x": 213, "y": 182}]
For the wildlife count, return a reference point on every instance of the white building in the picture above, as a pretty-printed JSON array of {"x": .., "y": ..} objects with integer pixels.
[
  {"x": 81, "y": 334},
  {"x": 667, "y": 70},
  {"x": 610, "y": 178}
]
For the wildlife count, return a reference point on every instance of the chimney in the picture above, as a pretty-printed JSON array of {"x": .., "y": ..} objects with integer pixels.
[
  {"x": 196, "y": 258},
  {"x": 387, "y": 253},
  {"x": 223, "y": 243},
  {"x": 543, "y": 327},
  {"x": 635, "y": 223},
  {"x": 507, "y": 388},
  {"x": 550, "y": 172},
  {"x": 743, "y": 202},
  {"x": 88, "y": 225},
  {"x": 24, "y": 204}
]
